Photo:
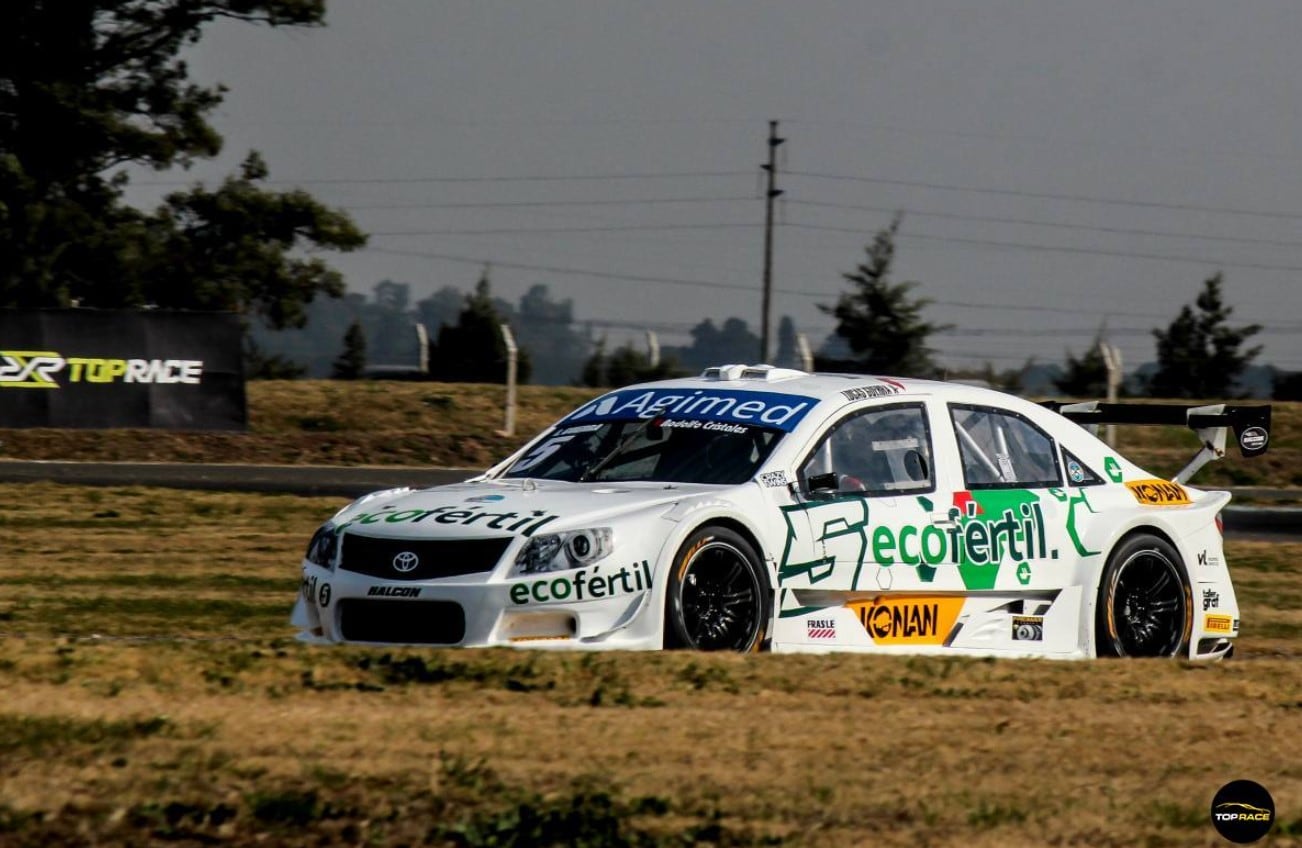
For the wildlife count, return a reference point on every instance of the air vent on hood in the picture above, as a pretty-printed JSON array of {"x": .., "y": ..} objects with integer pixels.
[{"x": 761, "y": 373}]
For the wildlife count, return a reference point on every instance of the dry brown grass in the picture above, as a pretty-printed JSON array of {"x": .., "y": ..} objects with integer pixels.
[
  {"x": 149, "y": 695},
  {"x": 325, "y": 422}
]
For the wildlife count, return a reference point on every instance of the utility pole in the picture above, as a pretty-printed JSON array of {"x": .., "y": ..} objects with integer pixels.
[{"x": 771, "y": 194}]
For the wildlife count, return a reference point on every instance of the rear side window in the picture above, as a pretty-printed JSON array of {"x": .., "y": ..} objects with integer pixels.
[{"x": 1002, "y": 450}]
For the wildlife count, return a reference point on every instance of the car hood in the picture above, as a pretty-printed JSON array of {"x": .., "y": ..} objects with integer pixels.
[{"x": 495, "y": 508}]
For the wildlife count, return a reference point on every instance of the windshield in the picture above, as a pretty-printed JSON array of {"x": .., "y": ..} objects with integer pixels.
[{"x": 670, "y": 451}]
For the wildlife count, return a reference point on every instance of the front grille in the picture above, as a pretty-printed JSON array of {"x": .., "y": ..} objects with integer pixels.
[
  {"x": 434, "y": 557},
  {"x": 402, "y": 622}
]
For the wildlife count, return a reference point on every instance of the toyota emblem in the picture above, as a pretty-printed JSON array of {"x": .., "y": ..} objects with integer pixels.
[{"x": 405, "y": 561}]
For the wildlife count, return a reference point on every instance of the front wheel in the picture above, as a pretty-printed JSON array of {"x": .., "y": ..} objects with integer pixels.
[
  {"x": 718, "y": 596},
  {"x": 1145, "y": 608}
]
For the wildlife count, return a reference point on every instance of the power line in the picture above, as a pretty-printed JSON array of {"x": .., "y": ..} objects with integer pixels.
[
  {"x": 1057, "y": 143},
  {"x": 548, "y": 230},
  {"x": 579, "y": 272},
  {"x": 524, "y": 204},
  {"x": 1025, "y": 307},
  {"x": 1043, "y": 248},
  {"x": 1053, "y": 225},
  {"x": 1108, "y": 332},
  {"x": 711, "y": 284},
  {"x": 1148, "y": 204},
  {"x": 540, "y": 178}
]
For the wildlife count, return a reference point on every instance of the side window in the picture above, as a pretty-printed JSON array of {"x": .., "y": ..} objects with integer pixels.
[
  {"x": 879, "y": 451},
  {"x": 1002, "y": 450},
  {"x": 1078, "y": 473}
]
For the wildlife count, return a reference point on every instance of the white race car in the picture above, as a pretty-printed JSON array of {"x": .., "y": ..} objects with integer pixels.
[{"x": 763, "y": 508}]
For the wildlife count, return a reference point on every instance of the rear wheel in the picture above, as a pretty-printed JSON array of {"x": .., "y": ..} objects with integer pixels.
[
  {"x": 1145, "y": 608},
  {"x": 718, "y": 595}
]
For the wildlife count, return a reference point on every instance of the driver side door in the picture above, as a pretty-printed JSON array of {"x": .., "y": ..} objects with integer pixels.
[{"x": 866, "y": 517}]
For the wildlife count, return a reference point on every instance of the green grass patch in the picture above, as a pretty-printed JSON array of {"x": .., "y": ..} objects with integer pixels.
[
  {"x": 140, "y": 616},
  {"x": 38, "y": 735},
  {"x": 161, "y": 580}
]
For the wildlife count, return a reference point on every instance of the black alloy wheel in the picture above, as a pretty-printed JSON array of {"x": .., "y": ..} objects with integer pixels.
[
  {"x": 718, "y": 595},
  {"x": 1145, "y": 607}
]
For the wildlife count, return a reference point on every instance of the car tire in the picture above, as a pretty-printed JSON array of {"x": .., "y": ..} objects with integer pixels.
[
  {"x": 1145, "y": 604},
  {"x": 718, "y": 596}
]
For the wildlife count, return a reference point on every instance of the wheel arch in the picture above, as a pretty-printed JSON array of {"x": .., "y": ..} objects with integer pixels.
[
  {"x": 1090, "y": 599},
  {"x": 673, "y": 545},
  {"x": 716, "y": 514},
  {"x": 742, "y": 530}
]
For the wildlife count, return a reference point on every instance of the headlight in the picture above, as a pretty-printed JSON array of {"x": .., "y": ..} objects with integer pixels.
[
  {"x": 323, "y": 547},
  {"x": 560, "y": 551}
]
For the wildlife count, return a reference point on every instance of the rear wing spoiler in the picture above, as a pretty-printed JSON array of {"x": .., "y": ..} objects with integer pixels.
[{"x": 1251, "y": 425}]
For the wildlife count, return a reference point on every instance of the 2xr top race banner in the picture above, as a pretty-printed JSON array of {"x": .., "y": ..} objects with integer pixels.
[{"x": 109, "y": 368}]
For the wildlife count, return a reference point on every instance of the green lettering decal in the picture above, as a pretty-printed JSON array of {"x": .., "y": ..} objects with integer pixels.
[
  {"x": 838, "y": 529},
  {"x": 1112, "y": 468},
  {"x": 883, "y": 546},
  {"x": 1078, "y": 498},
  {"x": 933, "y": 545},
  {"x": 996, "y": 532},
  {"x": 907, "y": 533}
]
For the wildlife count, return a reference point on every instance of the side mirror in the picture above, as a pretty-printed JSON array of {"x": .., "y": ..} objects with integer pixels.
[{"x": 823, "y": 486}]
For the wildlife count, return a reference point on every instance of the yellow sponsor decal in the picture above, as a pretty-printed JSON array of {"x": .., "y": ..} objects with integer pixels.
[
  {"x": 1158, "y": 492},
  {"x": 1218, "y": 623},
  {"x": 37, "y": 369},
  {"x": 29, "y": 369},
  {"x": 918, "y": 620}
]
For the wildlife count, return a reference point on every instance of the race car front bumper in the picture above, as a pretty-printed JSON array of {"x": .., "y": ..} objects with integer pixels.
[{"x": 573, "y": 609}]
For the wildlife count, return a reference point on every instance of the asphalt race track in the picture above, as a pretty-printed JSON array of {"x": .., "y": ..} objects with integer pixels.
[{"x": 354, "y": 481}]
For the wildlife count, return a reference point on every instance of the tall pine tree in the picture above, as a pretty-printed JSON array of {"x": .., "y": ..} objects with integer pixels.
[
  {"x": 879, "y": 320},
  {"x": 1199, "y": 355},
  {"x": 352, "y": 361}
]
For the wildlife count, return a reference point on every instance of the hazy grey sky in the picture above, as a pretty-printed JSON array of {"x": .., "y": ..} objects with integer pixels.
[{"x": 1056, "y": 163}]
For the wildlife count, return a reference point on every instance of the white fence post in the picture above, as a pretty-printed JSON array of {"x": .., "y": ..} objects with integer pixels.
[
  {"x": 422, "y": 351},
  {"x": 1112, "y": 359},
  {"x": 512, "y": 360},
  {"x": 806, "y": 355}
]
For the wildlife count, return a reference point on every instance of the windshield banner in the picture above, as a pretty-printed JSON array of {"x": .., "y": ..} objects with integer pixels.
[{"x": 762, "y": 409}]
